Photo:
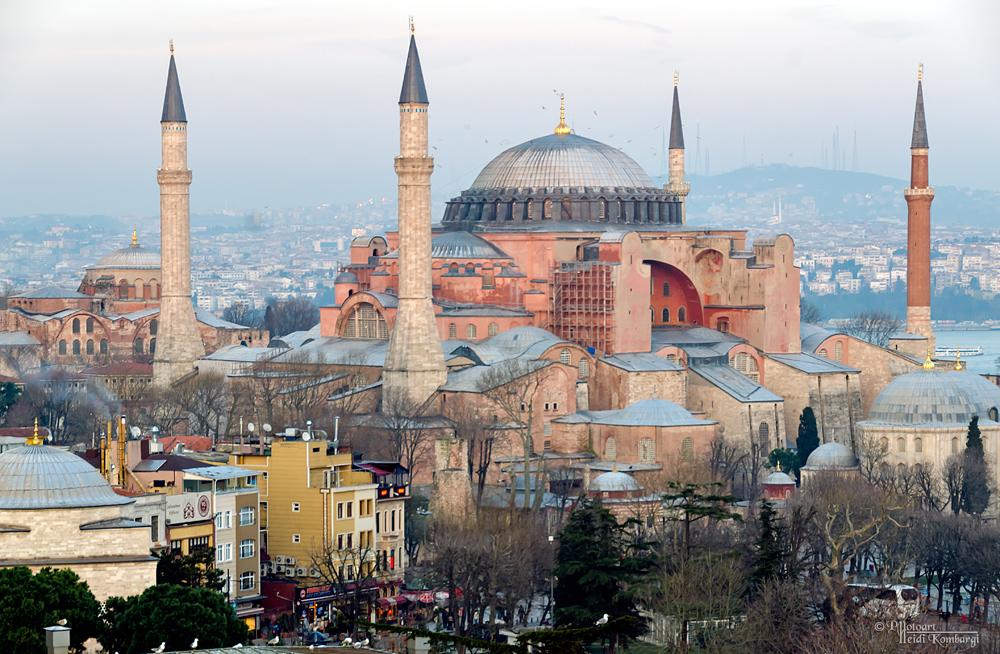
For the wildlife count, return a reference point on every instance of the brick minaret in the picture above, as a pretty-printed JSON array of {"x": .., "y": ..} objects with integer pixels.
[
  {"x": 918, "y": 231},
  {"x": 676, "y": 185},
  {"x": 179, "y": 342},
  {"x": 414, "y": 363}
]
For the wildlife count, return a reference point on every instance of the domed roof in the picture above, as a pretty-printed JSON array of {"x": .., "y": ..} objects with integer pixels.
[
  {"x": 346, "y": 277},
  {"x": 654, "y": 412},
  {"x": 132, "y": 256},
  {"x": 520, "y": 339},
  {"x": 832, "y": 456},
  {"x": 614, "y": 481},
  {"x": 778, "y": 478},
  {"x": 562, "y": 160},
  {"x": 935, "y": 396},
  {"x": 41, "y": 477}
]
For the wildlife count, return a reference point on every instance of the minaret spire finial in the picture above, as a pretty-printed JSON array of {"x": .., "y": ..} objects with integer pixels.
[
  {"x": 928, "y": 364},
  {"x": 135, "y": 238},
  {"x": 171, "y": 46},
  {"x": 35, "y": 439},
  {"x": 562, "y": 127},
  {"x": 675, "y": 78},
  {"x": 412, "y": 28},
  {"x": 920, "y": 72},
  {"x": 958, "y": 359}
]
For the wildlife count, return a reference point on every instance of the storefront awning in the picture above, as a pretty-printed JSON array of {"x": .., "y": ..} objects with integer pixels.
[{"x": 398, "y": 600}]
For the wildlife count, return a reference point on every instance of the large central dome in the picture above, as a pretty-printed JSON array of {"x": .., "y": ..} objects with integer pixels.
[{"x": 562, "y": 160}]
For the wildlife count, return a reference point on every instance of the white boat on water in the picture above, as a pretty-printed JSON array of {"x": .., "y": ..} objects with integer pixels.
[{"x": 952, "y": 352}]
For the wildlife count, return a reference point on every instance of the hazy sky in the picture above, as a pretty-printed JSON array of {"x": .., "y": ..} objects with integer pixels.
[{"x": 293, "y": 103}]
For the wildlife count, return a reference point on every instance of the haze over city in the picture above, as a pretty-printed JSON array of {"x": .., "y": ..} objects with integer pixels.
[{"x": 295, "y": 104}]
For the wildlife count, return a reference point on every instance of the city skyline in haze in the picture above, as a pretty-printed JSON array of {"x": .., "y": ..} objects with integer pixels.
[{"x": 294, "y": 104}]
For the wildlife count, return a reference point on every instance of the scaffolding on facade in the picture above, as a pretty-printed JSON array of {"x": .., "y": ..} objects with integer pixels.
[{"x": 582, "y": 304}]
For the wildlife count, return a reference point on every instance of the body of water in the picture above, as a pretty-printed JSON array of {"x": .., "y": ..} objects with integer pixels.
[{"x": 989, "y": 340}]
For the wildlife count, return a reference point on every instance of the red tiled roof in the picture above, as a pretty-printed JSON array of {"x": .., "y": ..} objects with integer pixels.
[
  {"x": 24, "y": 432},
  {"x": 193, "y": 443}
]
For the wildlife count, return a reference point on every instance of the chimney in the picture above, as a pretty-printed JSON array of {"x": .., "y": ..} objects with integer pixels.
[{"x": 57, "y": 640}]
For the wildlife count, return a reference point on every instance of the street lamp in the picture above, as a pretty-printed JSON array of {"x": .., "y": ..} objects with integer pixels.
[{"x": 552, "y": 582}]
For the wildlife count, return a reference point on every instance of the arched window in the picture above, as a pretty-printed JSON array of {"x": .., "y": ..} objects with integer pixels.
[
  {"x": 62, "y": 347},
  {"x": 152, "y": 346},
  {"x": 603, "y": 211},
  {"x": 994, "y": 415},
  {"x": 564, "y": 357},
  {"x": 687, "y": 450},
  {"x": 470, "y": 269},
  {"x": 123, "y": 289},
  {"x": 104, "y": 346},
  {"x": 746, "y": 364},
  {"x": 154, "y": 326},
  {"x": 496, "y": 211},
  {"x": 76, "y": 325},
  {"x": 137, "y": 346},
  {"x": 823, "y": 354},
  {"x": 470, "y": 331},
  {"x": 838, "y": 352},
  {"x": 610, "y": 449},
  {"x": 681, "y": 314},
  {"x": 510, "y": 211},
  {"x": 366, "y": 322},
  {"x": 90, "y": 346},
  {"x": 665, "y": 314},
  {"x": 452, "y": 330},
  {"x": 90, "y": 325},
  {"x": 584, "y": 368},
  {"x": 548, "y": 209},
  {"x": 954, "y": 446},
  {"x": 666, "y": 289},
  {"x": 883, "y": 444},
  {"x": 358, "y": 381},
  {"x": 764, "y": 435},
  {"x": 492, "y": 329},
  {"x": 528, "y": 204},
  {"x": 918, "y": 445},
  {"x": 76, "y": 347},
  {"x": 647, "y": 450},
  {"x": 900, "y": 445}
]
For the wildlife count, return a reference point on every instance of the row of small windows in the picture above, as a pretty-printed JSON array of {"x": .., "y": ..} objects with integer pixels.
[
  {"x": 153, "y": 326},
  {"x": 918, "y": 444},
  {"x": 746, "y": 364},
  {"x": 366, "y": 322},
  {"x": 90, "y": 346},
  {"x": 647, "y": 450},
  {"x": 838, "y": 352},
  {"x": 681, "y": 314}
]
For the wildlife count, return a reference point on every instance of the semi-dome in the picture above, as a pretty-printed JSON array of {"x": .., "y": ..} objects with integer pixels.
[
  {"x": 614, "y": 481},
  {"x": 832, "y": 456},
  {"x": 936, "y": 397},
  {"x": 562, "y": 160},
  {"x": 133, "y": 256},
  {"x": 36, "y": 477}
]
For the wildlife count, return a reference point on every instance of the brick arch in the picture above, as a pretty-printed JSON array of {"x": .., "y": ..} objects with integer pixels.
[
  {"x": 352, "y": 304},
  {"x": 744, "y": 349},
  {"x": 683, "y": 293}
]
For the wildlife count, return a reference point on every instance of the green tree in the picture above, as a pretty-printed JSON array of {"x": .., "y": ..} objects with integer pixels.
[
  {"x": 596, "y": 561},
  {"x": 975, "y": 480},
  {"x": 784, "y": 460},
  {"x": 770, "y": 558},
  {"x": 808, "y": 439},
  {"x": 8, "y": 397},
  {"x": 173, "y": 615},
  {"x": 690, "y": 503},
  {"x": 29, "y": 603},
  {"x": 196, "y": 570}
]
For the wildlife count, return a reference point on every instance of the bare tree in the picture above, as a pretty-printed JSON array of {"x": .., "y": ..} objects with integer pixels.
[
  {"x": 242, "y": 313},
  {"x": 286, "y": 316},
  {"x": 354, "y": 571},
  {"x": 875, "y": 326},
  {"x": 471, "y": 425},
  {"x": 204, "y": 398},
  {"x": 808, "y": 312}
]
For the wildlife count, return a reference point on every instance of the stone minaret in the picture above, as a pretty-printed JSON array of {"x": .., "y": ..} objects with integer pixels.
[
  {"x": 178, "y": 342},
  {"x": 414, "y": 363},
  {"x": 676, "y": 185},
  {"x": 918, "y": 231}
]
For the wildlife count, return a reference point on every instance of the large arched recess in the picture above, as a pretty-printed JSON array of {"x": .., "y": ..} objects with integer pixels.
[{"x": 681, "y": 293}]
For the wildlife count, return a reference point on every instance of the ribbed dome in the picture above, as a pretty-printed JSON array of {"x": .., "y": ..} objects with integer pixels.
[
  {"x": 40, "y": 477},
  {"x": 653, "y": 412},
  {"x": 778, "y": 478},
  {"x": 832, "y": 456},
  {"x": 346, "y": 277},
  {"x": 614, "y": 481},
  {"x": 132, "y": 256},
  {"x": 562, "y": 160},
  {"x": 520, "y": 339},
  {"x": 935, "y": 397}
]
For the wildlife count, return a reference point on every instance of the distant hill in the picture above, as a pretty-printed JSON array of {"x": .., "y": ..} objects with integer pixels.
[{"x": 839, "y": 195}]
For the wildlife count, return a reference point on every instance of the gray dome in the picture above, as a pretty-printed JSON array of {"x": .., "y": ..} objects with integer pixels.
[
  {"x": 519, "y": 339},
  {"x": 778, "y": 478},
  {"x": 562, "y": 160},
  {"x": 346, "y": 277},
  {"x": 935, "y": 396},
  {"x": 832, "y": 456},
  {"x": 132, "y": 256},
  {"x": 40, "y": 477},
  {"x": 614, "y": 481},
  {"x": 654, "y": 412}
]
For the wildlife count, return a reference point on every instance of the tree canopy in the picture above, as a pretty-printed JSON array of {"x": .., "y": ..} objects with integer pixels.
[
  {"x": 808, "y": 439},
  {"x": 196, "y": 570},
  {"x": 30, "y": 602}
]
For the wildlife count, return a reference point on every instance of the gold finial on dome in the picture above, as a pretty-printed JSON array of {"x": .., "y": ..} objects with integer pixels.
[
  {"x": 920, "y": 71},
  {"x": 614, "y": 466},
  {"x": 412, "y": 28},
  {"x": 135, "y": 237},
  {"x": 675, "y": 78},
  {"x": 562, "y": 127},
  {"x": 171, "y": 46},
  {"x": 35, "y": 439},
  {"x": 928, "y": 364},
  {"x": 958, "y": 360}
]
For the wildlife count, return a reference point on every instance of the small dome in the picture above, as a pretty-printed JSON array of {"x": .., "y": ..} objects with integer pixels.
[
  {"x": 778, "y": 478},
  {"x": 832, "y": 456},
  {"x": 562, "y": 160},
  {"x": 935, "y": 397},
  {"x": 614, "y": 481},
  {"x": 519, "y": 339},
  {"x": 132, "y": 256},
  {"x": 346, "y": 277},
  {"x": 40, "y": 477}
]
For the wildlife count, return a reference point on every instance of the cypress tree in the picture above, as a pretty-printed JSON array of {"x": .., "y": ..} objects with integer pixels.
[
  {"x": 975, "y": 480},
  {"x": 769, "y": 561},
  {"x": 808, "y": 439}
]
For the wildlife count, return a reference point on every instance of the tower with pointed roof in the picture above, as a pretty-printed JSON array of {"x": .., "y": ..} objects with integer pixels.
[
  {"x": 179, "y": 342},
  {"x": 918, "y": 230},
  {"x": 414, "y": 362},
  {"x": 676, "y": 185}
]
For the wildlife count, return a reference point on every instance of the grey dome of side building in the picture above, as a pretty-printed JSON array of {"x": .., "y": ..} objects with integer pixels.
[
  {"x": 346, "y": 277},
  {"x": 936, "y": 397},
  {"x": 831, "y": 456},
  {"x": 36, "y": 477},
  {"x": 614, "y": 481}
]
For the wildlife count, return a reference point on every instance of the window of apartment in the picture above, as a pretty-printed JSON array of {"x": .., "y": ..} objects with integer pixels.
[
  {"x": 296, "y": 538},
  {"x": 246, "y": 548},
  {"x": 198, "y": 544},
  {"x": 350, "y": 540},
  {"x": 246, "y": 516},
  {"x": 247, "y": 581},
  {"x": 154, "y": 527},
  {"x": 393, "y": 514},
  {"x": 224, "y": 520},
  {"x": 340, "y": 510},
  {"x": 224, "y": 553},
  {"x": 340, "y": 541},
  {"x": 350, "y": 512},
  {"x": 350, "y": 572},
  {"x": 295, "y": 507},
  {"x": 378, "y": 520}
]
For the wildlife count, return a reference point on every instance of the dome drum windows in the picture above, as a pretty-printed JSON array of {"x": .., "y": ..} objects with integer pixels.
[{"x": 366, "y": 322}]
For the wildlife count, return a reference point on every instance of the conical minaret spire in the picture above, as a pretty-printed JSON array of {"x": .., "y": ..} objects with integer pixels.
[
  {"x": 919, "y": 196},
  {"x": 178, "y": 342},
  {"x": 676, "y": 185},
  {"x": 414, "y": 363}
]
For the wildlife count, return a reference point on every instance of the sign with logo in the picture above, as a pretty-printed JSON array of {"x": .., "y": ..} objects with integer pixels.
[{"x": 188, "y": 507}]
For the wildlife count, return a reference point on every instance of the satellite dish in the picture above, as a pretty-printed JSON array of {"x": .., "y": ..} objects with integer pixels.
[
  {"x": 135, "y": 431},
  {"x": 266, "y": 427},
  {"x": 306, "y": 436},
  {"x": 250, "y": 427}
]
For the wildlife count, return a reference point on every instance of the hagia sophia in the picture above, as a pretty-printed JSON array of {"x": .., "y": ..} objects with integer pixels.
[{"x": 649, "y": 338}]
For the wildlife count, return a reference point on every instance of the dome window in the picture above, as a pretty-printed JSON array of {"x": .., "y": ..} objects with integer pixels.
[
  {"x": 492, "y": 329},
  {"x": 470, "y": 332},
  {"x": 564, "y": 357}
]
